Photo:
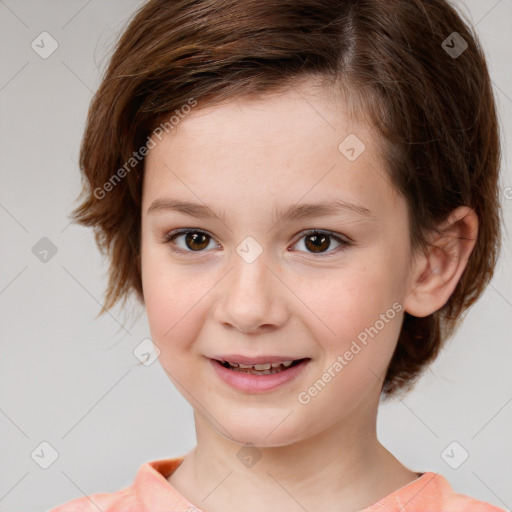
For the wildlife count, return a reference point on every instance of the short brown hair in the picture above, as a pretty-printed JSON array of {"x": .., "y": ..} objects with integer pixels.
[{"x": 434, "y": 109}]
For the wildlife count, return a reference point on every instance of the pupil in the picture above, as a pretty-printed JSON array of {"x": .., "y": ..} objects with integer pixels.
[
  {"x": 318, "y": 242},
  {"x": 195, "y": 237}
]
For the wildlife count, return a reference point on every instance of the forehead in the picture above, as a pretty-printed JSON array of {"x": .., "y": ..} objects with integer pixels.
[
  {"x": 306, "y": 108},
  {"x": 300, "y": 142}
]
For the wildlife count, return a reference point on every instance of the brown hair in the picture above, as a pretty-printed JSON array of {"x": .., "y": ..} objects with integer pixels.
[{"x": 435, "y": 112}]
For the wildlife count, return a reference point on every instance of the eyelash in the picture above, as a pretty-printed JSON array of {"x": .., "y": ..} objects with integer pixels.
[{"x": 169, "y": 237}]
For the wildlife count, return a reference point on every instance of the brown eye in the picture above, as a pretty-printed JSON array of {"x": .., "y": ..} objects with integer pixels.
[
  {"x": 193, "y": 241},
  {"x": 319, "y": 242},
  {"x": 196, "y": 241}
]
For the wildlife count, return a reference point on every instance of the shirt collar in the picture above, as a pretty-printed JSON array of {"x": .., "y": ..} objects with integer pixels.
[{"x": 158, "y": 495}]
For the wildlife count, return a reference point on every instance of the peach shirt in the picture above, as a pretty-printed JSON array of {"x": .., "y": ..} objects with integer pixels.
[{"x": 151, "y": 492}]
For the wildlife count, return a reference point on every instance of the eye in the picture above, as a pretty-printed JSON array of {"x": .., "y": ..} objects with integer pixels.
[
  {"x": 317, "y": 241},
  {"x": 195, "y": 240}
]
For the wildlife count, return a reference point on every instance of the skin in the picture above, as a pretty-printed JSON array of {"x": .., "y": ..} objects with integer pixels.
[{"x": 245, "y": 158}]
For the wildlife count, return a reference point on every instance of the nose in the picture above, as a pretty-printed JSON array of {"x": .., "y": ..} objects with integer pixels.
[{"x": 253, "y": 298}]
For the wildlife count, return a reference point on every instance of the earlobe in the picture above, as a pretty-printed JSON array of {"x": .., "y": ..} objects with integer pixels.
[{"x": 435, "y": 273}]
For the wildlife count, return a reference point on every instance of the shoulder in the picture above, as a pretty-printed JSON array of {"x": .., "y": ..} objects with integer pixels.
[
  {"x": 431, "y": 492},
  {"x": 439, "y": 494},
  {"x": 150, "y": 490},
  {"x": 125, "y": 499},
  {"x": 455, "y": 502}
]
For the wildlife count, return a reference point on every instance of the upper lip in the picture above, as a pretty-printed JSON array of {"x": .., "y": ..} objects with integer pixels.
[{"x": 238, "y": 358}]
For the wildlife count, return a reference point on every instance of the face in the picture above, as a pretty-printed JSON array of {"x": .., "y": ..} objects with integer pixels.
[{"x": 248, "y": 284}]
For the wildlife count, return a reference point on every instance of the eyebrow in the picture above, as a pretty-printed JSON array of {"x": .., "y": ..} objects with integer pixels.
[{"x": 294, "y": 212}]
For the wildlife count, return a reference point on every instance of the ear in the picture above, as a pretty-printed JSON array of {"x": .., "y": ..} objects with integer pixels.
[{"x": 436, "y": 272}]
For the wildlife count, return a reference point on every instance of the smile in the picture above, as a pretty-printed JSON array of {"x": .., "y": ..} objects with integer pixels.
[{"x": 260, "y": 369}]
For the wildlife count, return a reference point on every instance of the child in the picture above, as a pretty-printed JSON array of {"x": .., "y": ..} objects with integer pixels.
[{"x": 304, "y": 196}]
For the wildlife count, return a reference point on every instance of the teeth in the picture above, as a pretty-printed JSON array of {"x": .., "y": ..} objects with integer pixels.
[
  {"x": 262, "y": 369},
  {"x": 265, "y": 366}
]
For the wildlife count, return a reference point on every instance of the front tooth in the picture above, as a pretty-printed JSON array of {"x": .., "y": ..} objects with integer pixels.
[
  {"x": 265, "y": 366},
  {"x": 245, "y": 365}
]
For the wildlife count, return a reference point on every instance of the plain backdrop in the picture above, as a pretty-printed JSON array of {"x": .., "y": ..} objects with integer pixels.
[{"x": 72, "y": 394}]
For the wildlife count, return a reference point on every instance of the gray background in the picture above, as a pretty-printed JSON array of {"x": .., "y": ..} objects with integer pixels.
[{"x": 72, "y": 380}]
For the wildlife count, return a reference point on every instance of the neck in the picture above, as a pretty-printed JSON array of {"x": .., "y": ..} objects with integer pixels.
[{"x": 345, "y": 465}]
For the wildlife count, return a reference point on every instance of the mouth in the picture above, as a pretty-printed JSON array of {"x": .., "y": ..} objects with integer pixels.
[{"x": 265, "y": 368}]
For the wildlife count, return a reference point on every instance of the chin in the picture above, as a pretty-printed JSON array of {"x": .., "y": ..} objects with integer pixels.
[{"x": 263, "y": 431}]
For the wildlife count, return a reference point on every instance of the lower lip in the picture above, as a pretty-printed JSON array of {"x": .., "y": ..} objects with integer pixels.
[{"x": 251, "y": 383}]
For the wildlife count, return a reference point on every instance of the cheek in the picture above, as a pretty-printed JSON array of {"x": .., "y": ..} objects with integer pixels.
[
  {"x": 169, "y": 305},
  {"x": 366, "y": 322},
  {"x": 357, "y": 312},
  {"x": 171, "y": 312},
  {"x": 350, "y": 296}
]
